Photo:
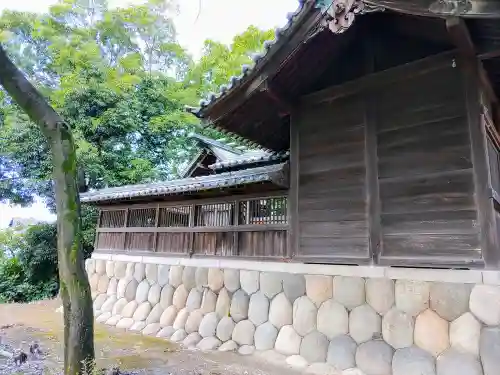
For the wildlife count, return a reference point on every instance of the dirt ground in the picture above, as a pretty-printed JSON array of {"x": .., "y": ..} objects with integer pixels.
[{"x": 21, "y": 324}]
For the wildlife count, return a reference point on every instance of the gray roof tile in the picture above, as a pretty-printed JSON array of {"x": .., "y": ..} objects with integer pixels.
[{"x": 227, "y": 179}]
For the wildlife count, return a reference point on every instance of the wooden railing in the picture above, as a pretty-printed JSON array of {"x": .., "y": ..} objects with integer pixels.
[{"x": 250, "y": 226}]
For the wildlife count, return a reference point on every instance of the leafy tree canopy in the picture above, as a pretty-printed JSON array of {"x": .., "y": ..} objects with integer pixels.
[{"x": 121, "y": 80}]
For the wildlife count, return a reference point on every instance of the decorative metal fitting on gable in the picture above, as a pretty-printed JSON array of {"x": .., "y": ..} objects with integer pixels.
[{"x": 340, "y": 14}]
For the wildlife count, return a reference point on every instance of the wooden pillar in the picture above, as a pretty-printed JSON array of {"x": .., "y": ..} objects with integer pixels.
[
  {"x": 293, "y": 194},
  {"x": 481, "y": 170}
]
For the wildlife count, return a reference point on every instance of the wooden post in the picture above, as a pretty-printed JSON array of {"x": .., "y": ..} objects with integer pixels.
[
  {"x": 482, "y": 178},
  {"x": 293, "y": 194},
  {"x": 236, "y": 219},
  {"x": 155, "y": 234},
  {"x": 371, "y": 156},
  {"x": 125, "y": 222},
  {"x": 192, "y": 213},
  {"x": 97, "y": 234}
]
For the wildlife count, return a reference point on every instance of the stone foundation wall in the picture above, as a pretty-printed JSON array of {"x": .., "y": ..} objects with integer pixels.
[{"x": 353, "y": 325}]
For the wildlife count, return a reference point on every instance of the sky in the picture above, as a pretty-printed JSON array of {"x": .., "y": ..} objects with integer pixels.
[{"x": 216, "y": 19}]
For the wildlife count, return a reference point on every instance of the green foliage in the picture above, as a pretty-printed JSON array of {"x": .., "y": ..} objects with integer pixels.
[
  {"x": 28, "y": 269},
  {"x": 121, "y": 81}
]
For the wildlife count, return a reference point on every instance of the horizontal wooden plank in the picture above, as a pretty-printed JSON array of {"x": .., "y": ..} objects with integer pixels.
[
  {"x": 433, "y": 114},
  {"x": 380, "y": 79},
  {"x": 325, "y": 134},
  {"x": 332, "y": 193},
  {"x": 459, "y": 181},
  {"x": 308, "y": 215},
  {"x": 341, "y": 178},
  {"x": 431, "y": 222},
  {"x": 413, "y": 163},
  {"x": 429, "y": 202},
  {"x": 239, "y": 228},
  {"x": 334, "y": 229},
  {"x": 334, "y": 246},
  {"x": 331, "y": 148},
  {"x": 425, "y": 245},
  {"x": 415, "y": 135}
]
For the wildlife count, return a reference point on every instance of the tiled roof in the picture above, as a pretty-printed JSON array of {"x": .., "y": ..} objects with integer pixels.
[
  {"x": 227, "y": 179},
  {"x": 257, "y": 58},
  {"x": 250, "y": 158}
]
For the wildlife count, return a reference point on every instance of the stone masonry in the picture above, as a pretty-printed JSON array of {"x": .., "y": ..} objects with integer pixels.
[{"x": 316, "y": 323}]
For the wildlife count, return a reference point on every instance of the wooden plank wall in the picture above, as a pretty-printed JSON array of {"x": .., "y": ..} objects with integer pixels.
[
  {"x": 424, "y": 177},
  {"x": 331, "y": 197},
  {"x": 426, "y": 183}
]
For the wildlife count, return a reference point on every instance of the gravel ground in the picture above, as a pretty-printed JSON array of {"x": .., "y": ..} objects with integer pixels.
[{"x": 21, "y": 324}]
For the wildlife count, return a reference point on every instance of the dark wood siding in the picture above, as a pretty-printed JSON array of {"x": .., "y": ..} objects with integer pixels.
[
  {"x": 386, "y": 175},
  {"x": 331, "y": 199},
  {"x": 426, "y": 182}
]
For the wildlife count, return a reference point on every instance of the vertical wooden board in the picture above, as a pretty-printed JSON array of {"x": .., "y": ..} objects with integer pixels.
[
  {"x": 425, "y": 171},
  {"x": 332, "y": 207}
]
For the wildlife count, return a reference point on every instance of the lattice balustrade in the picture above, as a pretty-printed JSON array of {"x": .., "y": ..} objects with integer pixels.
[
  {"x": 112, "y": 219},
  {"x": 141, "y": 217},
  {"x": 255, "y": 227}
]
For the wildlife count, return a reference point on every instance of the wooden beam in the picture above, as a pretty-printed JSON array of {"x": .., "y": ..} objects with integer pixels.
[
  {"x": 461, "y": 38},
  {"x": 489, "y": 55},
  {"x": 293, "y": 193},
  {"x": 371, "y": 157},
  {"x": 385, "y": 77},
  {"x": 481, "y": 172}
]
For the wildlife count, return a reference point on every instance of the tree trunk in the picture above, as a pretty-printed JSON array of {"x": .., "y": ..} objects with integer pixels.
[{"x": 74, "y": 285}]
